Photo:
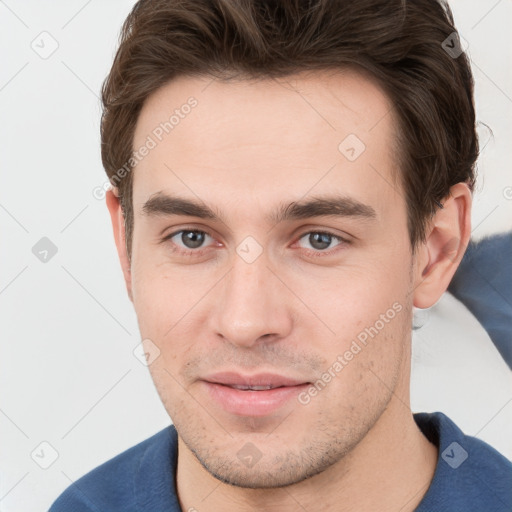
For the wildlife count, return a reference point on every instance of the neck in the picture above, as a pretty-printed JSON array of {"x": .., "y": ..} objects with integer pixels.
[{"x": 390, "y": 469}]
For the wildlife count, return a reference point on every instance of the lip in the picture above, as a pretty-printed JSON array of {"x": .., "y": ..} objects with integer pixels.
[
  {"x": 252, "y": 403},
  {"x": 260, "y": 379}
]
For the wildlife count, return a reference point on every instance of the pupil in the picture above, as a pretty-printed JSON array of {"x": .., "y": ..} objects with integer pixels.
[
  {"x": 192, "y": 239},
  {"x": 320, "y": 240}
]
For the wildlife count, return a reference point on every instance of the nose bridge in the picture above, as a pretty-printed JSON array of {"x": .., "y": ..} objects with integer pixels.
[{"x": 250, "y": 304}]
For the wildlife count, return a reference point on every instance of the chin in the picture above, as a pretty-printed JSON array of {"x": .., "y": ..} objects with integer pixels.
[{"x": 272, "y": 470}]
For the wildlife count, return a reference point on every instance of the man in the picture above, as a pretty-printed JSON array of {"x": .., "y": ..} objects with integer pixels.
[{"x": 290, "y": 179}]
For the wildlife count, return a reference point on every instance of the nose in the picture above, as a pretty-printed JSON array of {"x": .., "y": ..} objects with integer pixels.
[{"x": 251, "y": 305}]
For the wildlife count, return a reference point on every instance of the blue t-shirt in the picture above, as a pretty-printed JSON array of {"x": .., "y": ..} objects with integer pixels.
[{"x": 470, "y": 476}]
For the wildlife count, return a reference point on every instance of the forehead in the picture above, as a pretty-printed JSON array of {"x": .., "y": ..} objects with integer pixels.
[{"x": 281, "y": 137}]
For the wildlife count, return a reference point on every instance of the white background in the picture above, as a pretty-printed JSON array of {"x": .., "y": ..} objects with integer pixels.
[{"x": 67, "y": 372}]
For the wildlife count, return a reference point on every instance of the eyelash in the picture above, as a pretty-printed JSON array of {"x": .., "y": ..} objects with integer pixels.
[
  {"x": 319, "y": 254},
  {"x": 186, "y": 252},
  {"x": 311, "y": 252}
]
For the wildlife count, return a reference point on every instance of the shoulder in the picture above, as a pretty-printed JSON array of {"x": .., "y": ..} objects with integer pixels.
[
  {"x": 470, "y": 474},
  {"x": 128, "y": 481}
]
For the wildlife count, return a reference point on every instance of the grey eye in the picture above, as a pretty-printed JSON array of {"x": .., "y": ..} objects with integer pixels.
[
  {"x": 319, "y": 241},
  {"x": 189, "y": 239}
]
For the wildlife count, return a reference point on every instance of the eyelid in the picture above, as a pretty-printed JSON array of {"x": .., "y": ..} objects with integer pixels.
[{"x": 173, "y": 232}]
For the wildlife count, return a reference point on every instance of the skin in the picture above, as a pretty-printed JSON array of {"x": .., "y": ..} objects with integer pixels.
[{"x": 246, "y": 148}]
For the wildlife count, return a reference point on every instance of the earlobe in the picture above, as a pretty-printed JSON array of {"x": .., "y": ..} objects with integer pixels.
[
  {"x": 446, "y": 241},
  {"x": 118, "y": 227}
]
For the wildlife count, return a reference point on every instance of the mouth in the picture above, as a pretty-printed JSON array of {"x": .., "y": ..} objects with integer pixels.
[
  {"x": 241, "y": 387},
  {"x": 255, "y": 395}
]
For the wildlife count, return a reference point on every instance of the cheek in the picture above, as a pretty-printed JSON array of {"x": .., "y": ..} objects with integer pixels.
[
  {"x": 171, "y": 308},
  {"x": 363, "y": 371},
  {"x": 362, "y": 320},
  {"x": 351, "y": 298},
  {"x": 171, "y": 392},
  {"x": 162, "y": 298}
]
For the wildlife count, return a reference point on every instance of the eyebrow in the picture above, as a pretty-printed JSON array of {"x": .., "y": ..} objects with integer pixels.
[{"x": 161, "y": 204}]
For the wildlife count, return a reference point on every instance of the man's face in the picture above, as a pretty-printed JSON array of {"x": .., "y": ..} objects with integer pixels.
[{"x": 262, "y": 293}]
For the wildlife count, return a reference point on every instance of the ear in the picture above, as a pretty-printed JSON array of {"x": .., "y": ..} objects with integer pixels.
[
  {"x": 446, "y": 240},
  {"x": 117, "y": 218}
]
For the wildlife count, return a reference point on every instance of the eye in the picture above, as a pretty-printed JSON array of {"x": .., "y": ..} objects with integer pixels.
[
  {"x": 188, "y": 240},
  {"x": 319, "y": 241}
]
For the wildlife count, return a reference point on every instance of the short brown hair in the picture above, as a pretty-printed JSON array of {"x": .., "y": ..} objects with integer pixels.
[{"x": 402, "y": 44}]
